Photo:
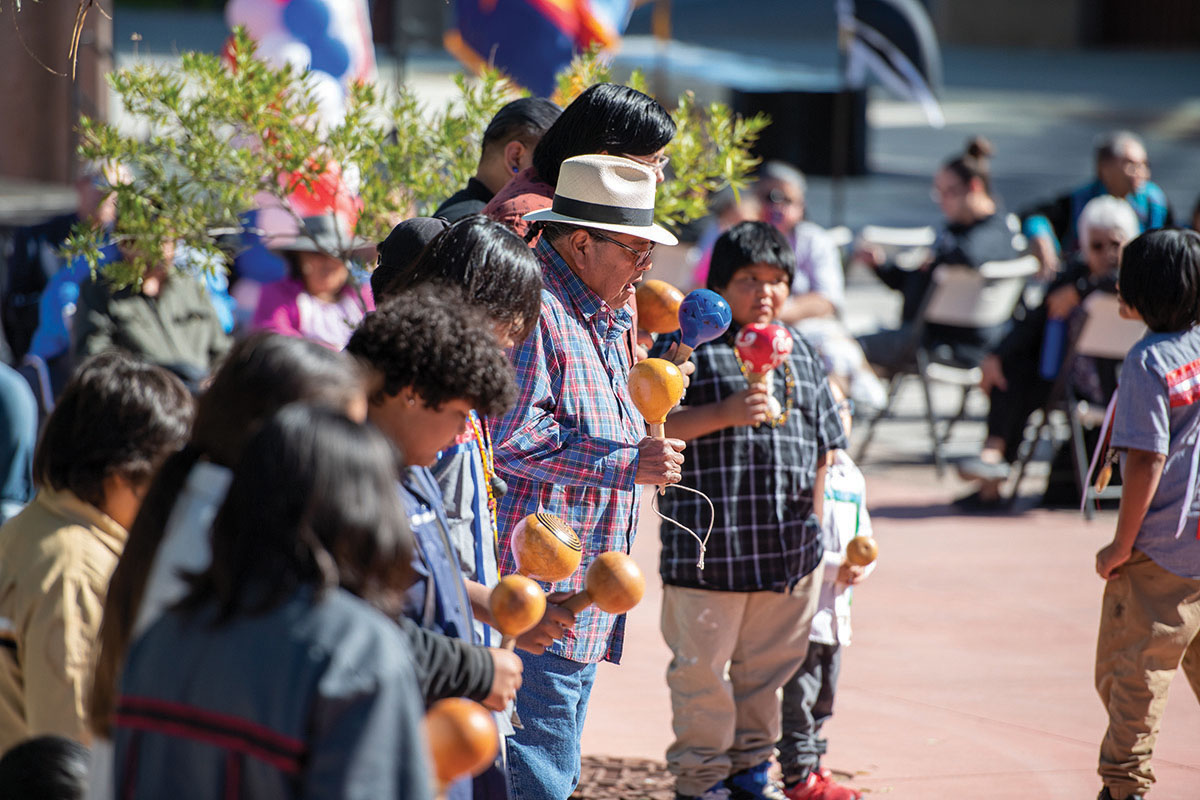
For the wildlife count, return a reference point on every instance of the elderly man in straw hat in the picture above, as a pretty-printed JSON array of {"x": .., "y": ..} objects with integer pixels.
[{"x": 574, "y": 444}]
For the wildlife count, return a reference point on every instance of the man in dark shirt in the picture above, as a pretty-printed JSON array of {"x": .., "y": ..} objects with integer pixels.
[
  {"x": 1122, "y": 170},
  {"x": 508, "y": 146}
]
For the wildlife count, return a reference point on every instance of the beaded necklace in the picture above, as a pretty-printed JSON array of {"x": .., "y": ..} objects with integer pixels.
[
  {"x": 789, "y": 383},
  {"x": 483, "y": 441}
]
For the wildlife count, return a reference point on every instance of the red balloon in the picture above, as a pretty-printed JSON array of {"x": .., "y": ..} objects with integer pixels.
[
  {"x": 328, "y": 195},
  {"x": 762, "y": 348}
]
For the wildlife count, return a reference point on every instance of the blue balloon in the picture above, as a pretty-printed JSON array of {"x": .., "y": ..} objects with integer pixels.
[
  {"x": 306, "y": 19},
  {"x": 703, "y": 316},
  {"x": 329, "y": 55}
]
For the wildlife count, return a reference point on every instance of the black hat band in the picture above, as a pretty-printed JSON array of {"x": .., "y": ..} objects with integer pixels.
[{"x": 597, "y": 212}]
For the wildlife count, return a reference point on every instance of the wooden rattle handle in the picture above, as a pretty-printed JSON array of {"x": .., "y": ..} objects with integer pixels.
[
  {"x": 658, "y": 430},
  {"x": 577, "y": 602},
  {"x": 682, "y": 354},
  {"x": 508, "y": 643}
]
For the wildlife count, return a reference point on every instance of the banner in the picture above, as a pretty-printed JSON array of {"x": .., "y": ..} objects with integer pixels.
[
  {"x": 532, "y": 40},
  {"x": 893, "y": 41}
]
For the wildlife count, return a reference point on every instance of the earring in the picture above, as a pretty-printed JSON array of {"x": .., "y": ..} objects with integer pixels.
[
  {"x": 412, "y": 401},
  {"x": 515, "y": 169}
]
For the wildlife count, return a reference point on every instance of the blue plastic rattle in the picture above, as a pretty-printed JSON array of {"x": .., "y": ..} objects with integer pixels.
[{"x": 703, "y": 316}]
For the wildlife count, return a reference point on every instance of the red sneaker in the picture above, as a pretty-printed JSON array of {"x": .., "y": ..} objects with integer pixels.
[{"x": 821, "y": 787}]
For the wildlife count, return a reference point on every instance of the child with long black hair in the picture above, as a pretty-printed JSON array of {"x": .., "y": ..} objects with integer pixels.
[
  {"x": 260, "y": 375},
  {"x": 278, "y": 676}
]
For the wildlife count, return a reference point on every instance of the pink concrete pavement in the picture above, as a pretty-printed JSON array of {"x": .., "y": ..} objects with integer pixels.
[{"x": 971, "y": 671}]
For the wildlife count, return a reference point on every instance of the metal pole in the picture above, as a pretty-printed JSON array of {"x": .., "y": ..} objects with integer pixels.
[
  {"x": 840, "y": 146},
  {"x": 660, "y": 25}
]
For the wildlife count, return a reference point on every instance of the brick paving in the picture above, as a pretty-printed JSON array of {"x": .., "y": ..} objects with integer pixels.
[{"x": 609, "y": 778}]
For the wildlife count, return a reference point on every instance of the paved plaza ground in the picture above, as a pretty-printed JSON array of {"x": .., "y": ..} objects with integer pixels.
[{"x": 970, "y": 675}]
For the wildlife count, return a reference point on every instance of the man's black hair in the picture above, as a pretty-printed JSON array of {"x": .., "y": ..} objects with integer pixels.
[
  {"x": 606, "y": 117},
  {"x": 1160, "y": 278},
  {"x": 526, "y": 119},
  {"x": 749, "y": 243},
  {"x": 431, "y": 339},
  {"x": 45, "y": 768},
  {"x": 490, "y": 264},
  {"x": 117, "y": 416}
]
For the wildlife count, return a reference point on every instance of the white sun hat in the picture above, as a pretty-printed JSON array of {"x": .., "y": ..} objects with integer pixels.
[{"x": 610, "y": 193}]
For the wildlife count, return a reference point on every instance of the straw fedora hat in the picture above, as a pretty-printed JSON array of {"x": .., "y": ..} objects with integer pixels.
[{"x": 606, "y": 192}]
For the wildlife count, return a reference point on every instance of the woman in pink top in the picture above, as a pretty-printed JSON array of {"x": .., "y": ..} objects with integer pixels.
[{"x": 320, "y": 299}]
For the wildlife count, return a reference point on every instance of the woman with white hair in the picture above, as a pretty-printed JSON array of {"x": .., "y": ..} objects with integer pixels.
[{"x": 1013, "y": 375}]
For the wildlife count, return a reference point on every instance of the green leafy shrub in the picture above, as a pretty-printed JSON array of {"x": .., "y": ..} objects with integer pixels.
[{"x": 206, "y": 139}]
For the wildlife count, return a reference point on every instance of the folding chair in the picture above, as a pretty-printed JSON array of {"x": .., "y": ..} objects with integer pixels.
[
  {"x": 960, "y": 297},
  {"x": 842, "y": 236},
  {"x": 908, "y": 248},
  {"x": 1104, "y": 334}
]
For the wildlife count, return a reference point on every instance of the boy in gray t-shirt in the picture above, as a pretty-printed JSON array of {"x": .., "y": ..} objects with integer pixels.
[{"x": 1150, "y": 621}]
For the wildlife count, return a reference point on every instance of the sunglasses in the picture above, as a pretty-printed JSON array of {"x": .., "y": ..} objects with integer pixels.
[
  {"x": 777, "y": 197},
  {"x": 642, "y": 256},
  {"x": 653, "y": 162}
]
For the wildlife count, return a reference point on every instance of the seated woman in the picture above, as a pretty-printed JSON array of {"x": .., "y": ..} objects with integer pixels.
[
  {"x": 974, "y": 233},
  {"x": 320, "y": 299},
  {"x": 277, "y": 675},
  {"x": 1012, "y": 375}
]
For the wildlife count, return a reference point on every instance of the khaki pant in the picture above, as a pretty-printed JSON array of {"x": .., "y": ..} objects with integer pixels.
[
  {"x": 1148, "y": 626},
  {"x": 732, "y": 652}
]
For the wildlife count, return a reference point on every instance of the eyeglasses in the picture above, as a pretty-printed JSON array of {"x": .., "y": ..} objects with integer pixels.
[
  {"x": 642, "y": 256},
  {"x": 1134, "y": 165},
  {"x": 778, "y": 197},
  {"x": 653, "y": 162}
]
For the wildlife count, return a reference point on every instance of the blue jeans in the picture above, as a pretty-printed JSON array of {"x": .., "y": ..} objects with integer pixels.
[
  {"x": 18, "y": 434},
  {"x": 543, "y": 757}
]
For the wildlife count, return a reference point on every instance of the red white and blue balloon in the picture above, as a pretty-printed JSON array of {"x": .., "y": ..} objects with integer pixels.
[{"x": 331, "y": 38}]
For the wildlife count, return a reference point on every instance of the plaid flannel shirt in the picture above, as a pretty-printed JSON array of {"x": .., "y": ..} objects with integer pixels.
[
  {"x": 569, "y": 446},
  {"x": 765, "y": 536}
]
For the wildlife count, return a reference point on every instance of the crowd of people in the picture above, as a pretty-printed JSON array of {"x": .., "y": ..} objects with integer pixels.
[{"x": 250, "y": 547}]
